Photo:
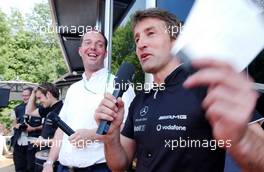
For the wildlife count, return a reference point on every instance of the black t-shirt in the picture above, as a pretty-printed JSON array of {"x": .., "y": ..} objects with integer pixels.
[
  {"x": 49, "y": 127},
  {"x": 164, "y": 123}
]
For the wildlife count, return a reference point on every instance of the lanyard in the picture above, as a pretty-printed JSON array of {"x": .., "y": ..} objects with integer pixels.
[{"x": 106, "y": 84}]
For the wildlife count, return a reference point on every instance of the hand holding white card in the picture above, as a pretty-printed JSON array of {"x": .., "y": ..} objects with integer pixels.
[{"x": 232, "y": 31}]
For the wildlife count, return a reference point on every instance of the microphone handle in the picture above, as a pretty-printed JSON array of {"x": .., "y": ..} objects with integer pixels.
[
  {"x": 117, "y": 93},
  {"x": 105, "y": 125},
  {"x": 64, "y": 127}
]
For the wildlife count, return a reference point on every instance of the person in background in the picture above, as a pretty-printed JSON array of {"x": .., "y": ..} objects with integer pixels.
[
  {"x": 47, "y": 94},
  {"x": 81, "y": 151},
  {"x": 25, "y": 130}
]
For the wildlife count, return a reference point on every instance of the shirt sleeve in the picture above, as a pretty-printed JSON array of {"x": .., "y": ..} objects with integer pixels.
[
  {"x": 43, "y": 112},
  {"x": 127, "y": 98},
  {"x": 257, "y": 117},
  {"x": 128, "y": 129}
]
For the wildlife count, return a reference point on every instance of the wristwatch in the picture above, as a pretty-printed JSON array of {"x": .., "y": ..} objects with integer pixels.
[{"x": 48, "y": 162}]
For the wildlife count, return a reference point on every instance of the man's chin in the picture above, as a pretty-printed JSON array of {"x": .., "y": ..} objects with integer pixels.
[{"x": 148, "y": 69}]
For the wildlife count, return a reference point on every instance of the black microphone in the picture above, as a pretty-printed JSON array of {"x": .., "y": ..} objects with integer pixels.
[
  {"x": 124, "y": 77},
  {"x": 61, "y": 124}
]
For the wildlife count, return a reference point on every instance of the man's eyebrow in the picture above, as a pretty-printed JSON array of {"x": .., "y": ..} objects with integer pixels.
[
  {"x": 100, "y": 41},
  {"x": 136, "y": 35},
  {"x": 87, "y": 39},
  {"x": 150, "y": 28},
  {"x": 145, "y": 30}
]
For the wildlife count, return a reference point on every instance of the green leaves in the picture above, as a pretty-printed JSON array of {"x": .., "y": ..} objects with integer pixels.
[
  {"x": 124, "y": 50},
  {"x": 5, "y": 113},
  {"x": 26, "y": 52}
]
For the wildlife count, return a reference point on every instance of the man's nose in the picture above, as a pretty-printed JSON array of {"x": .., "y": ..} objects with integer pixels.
[
  {"x": 92, "y": 46},
  {"x": 142, "y": 43}
]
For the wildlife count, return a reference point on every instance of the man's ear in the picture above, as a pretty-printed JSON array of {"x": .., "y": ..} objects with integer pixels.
[
  {"x": 105, "y": 53},
  {"x": 48, "y": 95},
  {"x": 80, "y": 52},
  {"x": 173, "y": 42}
]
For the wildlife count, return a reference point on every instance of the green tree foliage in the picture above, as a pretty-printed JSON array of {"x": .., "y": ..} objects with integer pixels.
[
  {"x": 124, "y": 51},
  {"x": 16, "y": 21},
  {"x": 5, "y": 113},
  {"x": 4, "y": 38},
  {"x": 29, "y": 53}
]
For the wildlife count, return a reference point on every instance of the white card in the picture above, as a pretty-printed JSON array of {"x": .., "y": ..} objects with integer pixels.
[{"x": 228, "y": 30}]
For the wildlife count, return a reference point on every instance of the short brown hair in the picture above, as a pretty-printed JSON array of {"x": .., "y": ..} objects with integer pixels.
[
  {"x": 169, "y": 18},
  {"x": 49, "y": 87},
  {"x": 30, "y": 89}
]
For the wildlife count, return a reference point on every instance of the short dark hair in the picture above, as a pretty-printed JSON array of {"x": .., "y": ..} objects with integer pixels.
[
  {"x": 169, "y": 18},
  {"x": 30, "y": 89},
  {"x": 49, "y": 87},
  {"x": 105, "y": 39}
]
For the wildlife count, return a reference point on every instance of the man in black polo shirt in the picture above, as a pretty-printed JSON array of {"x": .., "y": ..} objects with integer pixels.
[
  {"x": 178, "y": 125},
  {"x": 48, "y": 96}
]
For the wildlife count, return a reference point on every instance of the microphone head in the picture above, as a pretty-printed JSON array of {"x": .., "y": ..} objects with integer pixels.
[{"x": 124, "y": 76}]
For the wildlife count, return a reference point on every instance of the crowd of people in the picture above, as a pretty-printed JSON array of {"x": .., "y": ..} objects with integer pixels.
[{"x": 172, "y": 129}]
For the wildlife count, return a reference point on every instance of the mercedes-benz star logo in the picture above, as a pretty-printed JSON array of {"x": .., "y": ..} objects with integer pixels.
[{"x": 144, "y": 111}]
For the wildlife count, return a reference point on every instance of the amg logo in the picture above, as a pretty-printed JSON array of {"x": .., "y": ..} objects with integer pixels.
[{"x": 165, "y": 117}]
